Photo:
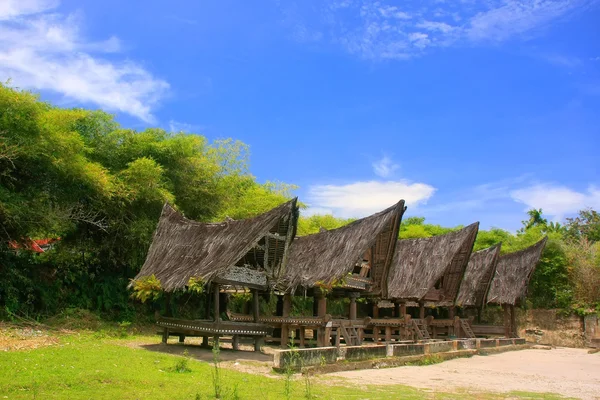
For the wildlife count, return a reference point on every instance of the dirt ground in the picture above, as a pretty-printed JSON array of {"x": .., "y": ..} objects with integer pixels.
[
  {"x": 565, "y": 371},
  {"x": 14, "y": 338}
]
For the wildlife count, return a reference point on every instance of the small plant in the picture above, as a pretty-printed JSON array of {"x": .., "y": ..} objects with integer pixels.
[
  {"x": 147, "y": 288},
  {"x": 235, "y": 395},
  {"x": 289, "y": 368},
  {"x": 182, "y": 365},
  {"x": 216, "y": 373}
]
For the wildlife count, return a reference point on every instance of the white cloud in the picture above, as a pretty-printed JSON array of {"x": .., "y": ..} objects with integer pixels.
[
  {"x": 378, "y": 30},
  {"x": 436, "y": 26},
  {"x": 515, "y": 17},
  {"x": 359, "y": 199},
  {"x": 175, "y": 126},
  {"x": 563, "y": 60},
  {"x": 42, "y": 50},
  {"x": 14, "y": 8},
  {"x": 385, "y": 167},
  {"x": 557, "y": 200}
]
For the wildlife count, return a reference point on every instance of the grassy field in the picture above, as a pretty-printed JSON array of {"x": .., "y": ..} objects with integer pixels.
[{"x": 88, "y": 365}]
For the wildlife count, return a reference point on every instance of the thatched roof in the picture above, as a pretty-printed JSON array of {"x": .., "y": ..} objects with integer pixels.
[
  {"x": 431, "y": 269},
  {"x": 513, "y": 273},
  {"x": 329, "y": 256},
  {"x": 247, "y": 252},
  {"x": 478, "y": 276}
]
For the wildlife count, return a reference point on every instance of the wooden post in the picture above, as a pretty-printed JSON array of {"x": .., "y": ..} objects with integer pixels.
[
  {"x": 285, "y": 311},
  {"x": 513, "y": 322},
  {"x": 168, "y": 311},
  {"x": 352, "y": 313},
  {"x": 165, "y": 335},
  {"x": 235, "y": 344},
  {"x": 451, "y": 312},
  {"x": 402, "y": 309},
  {"x": 204, "y": 342},
  {"x": 181, "y": 338},
  {"x": 388, "y": 333},
  {"x": 255, "y": 306},
  {"x": 302, "y": 336},
  {"x": 322, "y": 306},
  {"x": 421, "y": 310},
  {"x": 397, "y": 311},
  {"x": 375, "y": 311},
  {"x": 506, "y": 320},
  {"x": 451, "y": 315},
  {"x": 216, "y": 301}
]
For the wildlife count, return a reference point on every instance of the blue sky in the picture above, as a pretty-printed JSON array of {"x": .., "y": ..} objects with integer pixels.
[{"x": 469, "y": 110}]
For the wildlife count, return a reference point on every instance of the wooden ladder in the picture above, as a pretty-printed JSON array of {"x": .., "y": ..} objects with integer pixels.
[
  {"x": 350, "y": 335},
  {"x": 420, "y": 329},
  {"x": 464, "y": 324}
]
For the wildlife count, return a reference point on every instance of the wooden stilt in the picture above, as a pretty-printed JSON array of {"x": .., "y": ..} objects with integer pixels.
[
  {"x": 514, "y": 332},
  {"x": 204, "y": 342},
  {"x": 507, "y": 329},
  {"x": 181, "y": 338},
  {"x": 352, "y": 311},
  {"x": 165, "y": 335},
  {"x": 375, "y": 311},
  {"x": 168, "y": 310},
  {"x": 255, "y": 305},
  {"x": 285, "y": 311},
  {"x": 388, "y": 333},
  {"x": 322, "y": 306},
  {"x": 216, "y": 304},
  {"x": 302, "y": 336},
  {"x": 421, "y": 310},
  {"x": 235, "y": 344},
  {"x": 258, "y": 341}
]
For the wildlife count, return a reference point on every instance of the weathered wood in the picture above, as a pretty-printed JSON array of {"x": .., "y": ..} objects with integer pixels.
[
  {"x": 302, "y": 336},
  {"x": 421, "y": 310},
  {"x": 165, "y": 335},
  {"x": 235, "y": 343},
  {"x": 181, "y": 338}
]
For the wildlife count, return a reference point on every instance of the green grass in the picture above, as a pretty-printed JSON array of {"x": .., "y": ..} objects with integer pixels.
[{"x": 88, "y": 366}]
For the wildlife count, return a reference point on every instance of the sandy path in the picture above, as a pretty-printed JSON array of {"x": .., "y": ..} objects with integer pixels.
[{"x": 569, "y": 372}]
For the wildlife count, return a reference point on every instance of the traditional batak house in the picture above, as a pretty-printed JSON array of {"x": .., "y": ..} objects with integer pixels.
[{"x": 247, "y": 254}]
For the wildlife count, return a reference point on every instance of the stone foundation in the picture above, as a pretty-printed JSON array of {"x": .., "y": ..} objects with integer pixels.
[{"x": 361, "y": 357}]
